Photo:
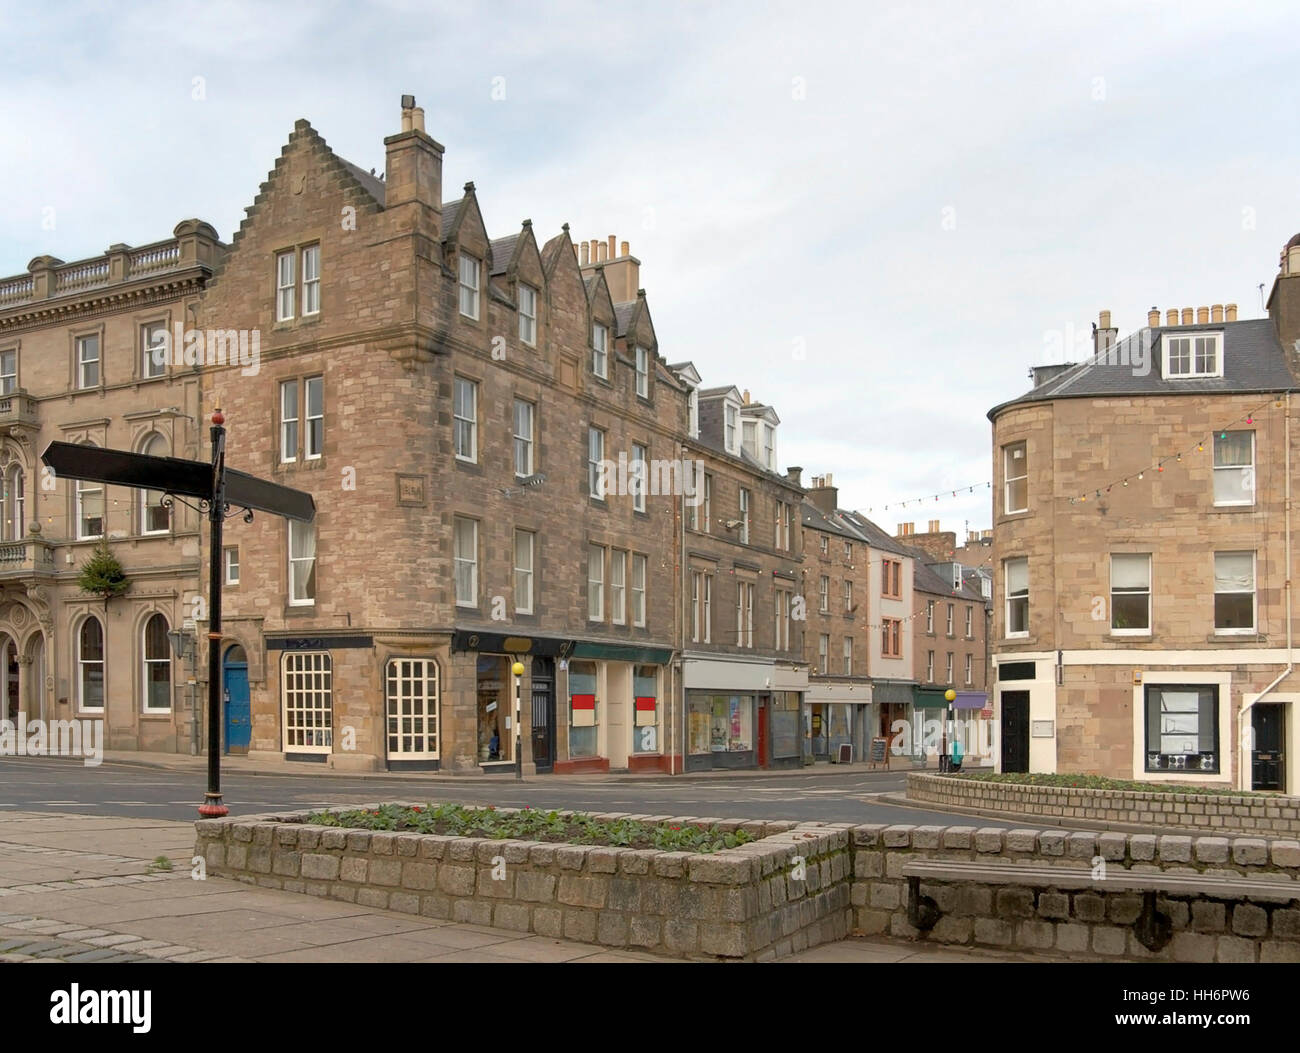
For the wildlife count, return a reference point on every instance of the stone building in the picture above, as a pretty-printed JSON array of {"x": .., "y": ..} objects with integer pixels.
[
  {"x": 465, "y": 410},
  {"x": 743, "y": 636},
  {"x": 1142, "y": 614},
  {"x": 859, "y": 644},
  {"x": 92, "y": 352}
]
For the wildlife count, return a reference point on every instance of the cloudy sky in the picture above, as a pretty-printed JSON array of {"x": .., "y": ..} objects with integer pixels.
[{"x": 874, "y": 217}]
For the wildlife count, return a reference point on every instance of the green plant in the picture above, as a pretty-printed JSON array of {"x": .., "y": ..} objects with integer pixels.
[
  {"x": 102, "y": 574},
  {"x": 161, "y": 863}
]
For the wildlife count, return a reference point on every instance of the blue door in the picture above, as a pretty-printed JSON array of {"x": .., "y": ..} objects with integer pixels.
[{"x": 239, "y": 714}]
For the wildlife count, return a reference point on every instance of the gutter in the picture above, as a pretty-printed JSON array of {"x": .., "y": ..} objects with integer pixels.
[{"x": 1243, "y": 753}]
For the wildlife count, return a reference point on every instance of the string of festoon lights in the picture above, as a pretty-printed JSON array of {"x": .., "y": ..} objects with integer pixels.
[
  {"x": 1156, "y": 469},
  {"x": 937, "y": 496}
]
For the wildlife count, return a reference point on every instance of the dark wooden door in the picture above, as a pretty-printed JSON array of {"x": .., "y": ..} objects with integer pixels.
[
  {"x": 1268, "y": 770},
  {"x": 1014, "y": 728},
  {"x": 543, "y": 714}
]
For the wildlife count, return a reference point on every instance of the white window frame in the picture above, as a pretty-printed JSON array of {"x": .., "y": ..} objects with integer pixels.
[
  {"x": 826, "y": 545},
  {"x": 824, "y": 594},
  {"x": 929, "y": 667},
  {"x": 148, "y": 663},
  {"x": 769, "y": 447},
  {"x": 15, "y": 503},
  {"x": 970, "y": 667},
  {"x": 1131, "y": 591},
  {"x": 600, "y": 350},
  {"x": 313, "y": 447},
  {"x": 749, "y": 437},
  {"x": 948, "y": 678},
  {"x": 745, "y": 614},
  {"x": 84, "y": 488},
  {"x": 289, "y": 424},
  {"x": 595, "y": 455},
  {"x": 951, "y": 621},
  {"x": 469, "y": 272},
  {"x": 1253, "y": 628},
  {"x": 929, "y": 616},
  {"x": 617, "y": 586},
  {"x": 782, "y": 609},
  {"x": 416, "y": 708},
  {"x": 639, "y": 572},
  {"x": 970, "y": 622},
  {"x": 744, "y": 516},
  {"x": 462, "y": 425},
  {"x": 1010, "y": 599},
  {"x": 528, "y": 314},
  {"x": 848, "y": 596},
  {"x": 1247, "y": 472},
  {"x": 285, "y": 286},
  {"x": 1192, "y": 339},
  {"x": 642, "y": 372},
  {"x": 8, "y": 372},
  {"x": 307, "y": 701},
  {"x": 706, "y": 505},
  {"x": 85, "y": 362},
  {"x": 310, "y": 578},
  {"x": 310, "y": 279},
  {"x": 525, "y": 570},
  {"x": 1008, "y": 457},
  {"x": 84, "y": 664},
  {"x": 230, "y": 564},
  {"x": 848, "y": 656},
  {"x": 638, "y": 475},
  {"x": 595, "y": 583},
  {"x": 150, "y": 367},
  {"x": 524, "y": 413},
  {"x": 151, "y": 499},
  {"x": 731, "y": 418},
  {"x": 823, "y": 653},
  {"x": 463, "y": 562}
]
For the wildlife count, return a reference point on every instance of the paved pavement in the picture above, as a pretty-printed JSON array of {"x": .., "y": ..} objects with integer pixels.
[
  {"x": 82, "y": 888},
  {"x": 135, "y": 786}
]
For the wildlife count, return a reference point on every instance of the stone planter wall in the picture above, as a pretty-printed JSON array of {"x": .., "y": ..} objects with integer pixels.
[
  {"x": 787, "y": 891},
  {"x": 1274, "y": 816},
  {"x": 1083, "y": 923}
]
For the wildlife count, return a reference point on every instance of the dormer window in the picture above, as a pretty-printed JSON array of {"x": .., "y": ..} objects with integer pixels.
[
  {"x": 643, "y": 372},
  {"x": 769, "y": 447},
  {"x": 1194, "y": 355},
  {"x": 600, "y": 351},
  {"x": 693, "y": 409},
  {"x": 749, "y": 428},
  {"x": 732, "y": 416}
]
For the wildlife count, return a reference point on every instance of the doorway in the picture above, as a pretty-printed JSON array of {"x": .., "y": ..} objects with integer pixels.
[
  {"x": 543, "y": 722},
  {"x": 13, "y": 700},
  {"x": 1015, "y": 731},
  {"x": 1267, "y": 757},
  {"x": 236, "y": 702},
  {"x": 762, "y": 750}
]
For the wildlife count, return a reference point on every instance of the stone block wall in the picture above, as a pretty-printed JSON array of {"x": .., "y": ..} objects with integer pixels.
[
  {"x": 1274, "y": 816},
  {"x": 782, "y": 893},
  {"x": 1086, "y": 923}
]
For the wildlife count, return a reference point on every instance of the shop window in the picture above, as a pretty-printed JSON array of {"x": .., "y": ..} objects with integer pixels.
[
  {"x": 645, "y": 692},
  {"x": 785, "y": 724},
  {"x": 308, "y": 699},
  {"x": 583, "y": 712},
  {"x": 1182, "y": 728}
]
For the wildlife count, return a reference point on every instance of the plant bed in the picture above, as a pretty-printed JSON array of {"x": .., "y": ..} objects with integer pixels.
[
  {"x": 684, "y": 887},
  {"x": 532, "y": 824},
  {"x": 1101, "y": 782}
]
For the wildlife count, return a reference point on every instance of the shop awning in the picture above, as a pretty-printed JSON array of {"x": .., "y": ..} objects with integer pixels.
[
  {"x": 892, "y": 692},
  {"x": 970, "y": 700},
  {"x": 622, "y": 653},
  {"x": 929, "y": 698}
]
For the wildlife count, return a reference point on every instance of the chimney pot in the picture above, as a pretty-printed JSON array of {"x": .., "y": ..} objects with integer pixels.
[
  {"x": 624, "y": 252},
  {"x": 1230, "y": 312},
  {"x": 612, "y": 247},
  {"x": 1187, "y": 316},
  {"x": 1202, "y": 315},
  {"x": 745, "y": 396},
  {"x": 417, "y": 118},
  {"x": 934, "y": 523},
  {"x": 1171, "y": 316},
  {"x": 828, "y": 478},
  {"x": 583, "y": 256},
  {"x": 1216, "y": 313},
  {"x": 407, "y": 121},
  {"x": 1104, "y": 322},
  {"x": 1153, "y": 317}
]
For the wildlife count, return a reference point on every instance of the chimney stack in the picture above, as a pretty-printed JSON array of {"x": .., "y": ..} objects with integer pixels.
[
  {"x": 1284, "y": 303},
  {"x": 794, "y": 473},
  {"x": 823, "y": 495},
  {"x": 1104, "y": 336},
  {"x": 1153, "y": 317},
  {"x": 745, "y": 396},
  {"x": 1216, "y": 313},
  {"x": 413, "y": 169}
]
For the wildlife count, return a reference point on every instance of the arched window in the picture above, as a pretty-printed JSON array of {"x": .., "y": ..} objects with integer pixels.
[
  {"x": 155, "y": 517},
  {"x": 15, "y": 504},
  {"x": 90, "y": 665},
  {"x": 157, "y": 665},
  {"x": 90, "y": 508}
]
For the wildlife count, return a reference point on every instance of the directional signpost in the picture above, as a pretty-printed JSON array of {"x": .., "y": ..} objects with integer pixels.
[{"x": 217, "y": 488}]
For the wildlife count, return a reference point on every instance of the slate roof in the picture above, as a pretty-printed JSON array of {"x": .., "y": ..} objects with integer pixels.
[
  {"x": 450, "y": 210},
  {"x": 623, "y": 317},
  {"x": 1253, "y": 361},
  {"x": 373, "y": 185},
  {"x": 503, "y": 251}
]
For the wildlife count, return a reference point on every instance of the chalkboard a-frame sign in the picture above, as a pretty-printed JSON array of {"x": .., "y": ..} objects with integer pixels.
[{"x": 877, "y": 755}]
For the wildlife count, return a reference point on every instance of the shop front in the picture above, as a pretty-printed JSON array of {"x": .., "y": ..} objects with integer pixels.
[
  {"x": 892, "y": 708},
  {"x": 728, "y": 703},
  {"x": 615, "y": 717},
  {"x": 837, "y": 715},
  {"x": 930, "y": 716}
]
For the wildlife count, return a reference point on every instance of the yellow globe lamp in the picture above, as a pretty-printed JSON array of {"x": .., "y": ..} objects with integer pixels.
[
  {"x": 950, "y": 694},
  {"x": 518, "y": 669}
]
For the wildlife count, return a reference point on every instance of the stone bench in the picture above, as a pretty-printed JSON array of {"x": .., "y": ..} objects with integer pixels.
[{"x": 1152, "y": 928}]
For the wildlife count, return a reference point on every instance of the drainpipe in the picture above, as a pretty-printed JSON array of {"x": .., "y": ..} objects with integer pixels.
[{"x": 1290, "y": 656}]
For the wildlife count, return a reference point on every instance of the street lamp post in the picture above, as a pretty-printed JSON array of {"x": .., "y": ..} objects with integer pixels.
[
  {"x": 213, "y": 807},
  {"x": 518, "y": 670}
]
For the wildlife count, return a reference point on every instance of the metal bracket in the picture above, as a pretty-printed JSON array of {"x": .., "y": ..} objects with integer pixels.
[
  {"x": 922, "y": 911},
  {"x": 1153, "y": 929}
]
